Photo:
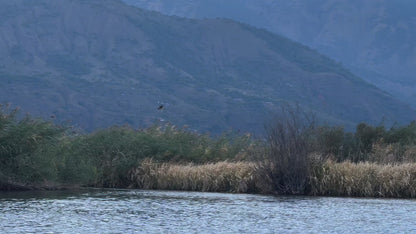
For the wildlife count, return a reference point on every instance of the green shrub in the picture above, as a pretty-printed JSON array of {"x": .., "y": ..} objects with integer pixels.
[
  {"x": 104, "y": 158},
  {"x": 405, "y": 135},
  {"x": 368, "y": 135},
  {"x": 23, "y": 144},
  {"x": 330, "y": 140}
]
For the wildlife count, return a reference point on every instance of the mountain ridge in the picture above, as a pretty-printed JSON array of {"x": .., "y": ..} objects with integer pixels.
[
  {"x": 101, "y": 63},
  {"x": 374, "y": 39}
]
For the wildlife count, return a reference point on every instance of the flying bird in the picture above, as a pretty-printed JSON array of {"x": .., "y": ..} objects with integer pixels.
[{"x": 160, "y": 107}]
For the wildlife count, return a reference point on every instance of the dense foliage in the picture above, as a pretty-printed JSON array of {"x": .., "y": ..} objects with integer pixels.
[
  {"x": 36, "y": 151},
  {"x": 297, "y": 149},
  {"x": 290, "y": 160},
  {"x": 23, "y": 143}
]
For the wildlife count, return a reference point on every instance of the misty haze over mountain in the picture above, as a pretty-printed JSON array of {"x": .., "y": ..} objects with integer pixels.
[
  {"x": 102, "y": 62},
  {"x": 376, "y": 39}
]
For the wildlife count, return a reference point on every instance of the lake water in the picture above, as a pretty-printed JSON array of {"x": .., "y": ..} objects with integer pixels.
[{"x": 141, "y": 211}]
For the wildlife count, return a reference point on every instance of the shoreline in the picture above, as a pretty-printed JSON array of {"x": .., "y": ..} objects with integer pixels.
[
  {"x": 294, "y": 158},
  {"x": 345, "y": 179}
]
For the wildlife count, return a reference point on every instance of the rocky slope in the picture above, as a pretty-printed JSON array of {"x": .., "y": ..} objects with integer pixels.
[
  {"x": 376, "y": 39},
  {"x": 101, "y": 62}
]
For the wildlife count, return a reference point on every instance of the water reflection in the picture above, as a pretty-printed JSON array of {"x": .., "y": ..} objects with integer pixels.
[{"x": 117, "y": 211}]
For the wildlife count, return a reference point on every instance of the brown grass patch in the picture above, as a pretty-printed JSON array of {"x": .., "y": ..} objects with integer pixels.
[
  {"x": 236, "y": 177},
  {"x": 364, "y": 180},
  {"x": 326, "y": 179}
]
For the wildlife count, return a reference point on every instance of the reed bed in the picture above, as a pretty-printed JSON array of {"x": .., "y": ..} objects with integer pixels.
[
  {"x": 364, "y": 180},
  {"x": 328, "y": 179},
  {"x": 235, "y": 177},
  {"x": 291, "y": 160}
]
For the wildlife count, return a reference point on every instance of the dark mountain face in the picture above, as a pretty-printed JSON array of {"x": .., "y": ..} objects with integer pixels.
[
  {"x": 101, "y": 63},
  {"x": 376, "y": 39}
]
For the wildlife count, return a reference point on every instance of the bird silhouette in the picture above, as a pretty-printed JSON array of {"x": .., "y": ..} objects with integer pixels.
[{"x": 160, "y": 107}]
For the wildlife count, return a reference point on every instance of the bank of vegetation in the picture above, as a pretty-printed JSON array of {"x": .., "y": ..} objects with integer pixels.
[{"x": 297, "y": 157}]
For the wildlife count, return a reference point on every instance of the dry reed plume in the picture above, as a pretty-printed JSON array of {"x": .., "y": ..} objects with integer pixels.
[
  {"x": 327, "y": 179},
  {"x": 236, "y": 177},
  {"x": 364, "y": 180}
]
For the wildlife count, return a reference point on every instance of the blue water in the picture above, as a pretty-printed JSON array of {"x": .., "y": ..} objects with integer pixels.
[{"x": 139, "y": 211}]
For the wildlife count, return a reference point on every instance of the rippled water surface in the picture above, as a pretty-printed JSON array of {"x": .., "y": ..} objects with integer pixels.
[{"x": 127, "y": 211}]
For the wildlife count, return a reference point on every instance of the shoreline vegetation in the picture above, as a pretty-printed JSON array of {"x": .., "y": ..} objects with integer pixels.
[{"x": 296, "y": 157}]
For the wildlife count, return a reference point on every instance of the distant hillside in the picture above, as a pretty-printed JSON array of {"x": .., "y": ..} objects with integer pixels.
[
  {"x": 376, "y": 39},
  {"x": 101, "y": 62}
]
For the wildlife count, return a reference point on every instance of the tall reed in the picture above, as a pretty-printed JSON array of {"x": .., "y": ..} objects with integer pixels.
[
  {"x": 236, "y": 177},
  {"x": 364, "y": 180}
]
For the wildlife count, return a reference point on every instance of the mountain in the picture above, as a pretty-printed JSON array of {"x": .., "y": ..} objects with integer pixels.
[
  {"x": 375, "y": 39},
  {"x": 102, "y": 62}
]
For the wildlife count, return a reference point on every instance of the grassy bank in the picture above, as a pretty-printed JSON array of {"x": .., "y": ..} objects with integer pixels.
[
  {"x": 35, "y": 153},
  {"x": 234, "y": 177},
  {"x": 364, "y": 180},
  {"x": 296, "y": 157},
  {"x": 329, "y": 179}
]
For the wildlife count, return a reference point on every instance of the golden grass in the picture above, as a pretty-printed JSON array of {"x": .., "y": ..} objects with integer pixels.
[
  {"x": 327, "y": 179},
  {"x": 364, "y": 180},
  {"x": 236, "y": 177}
]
